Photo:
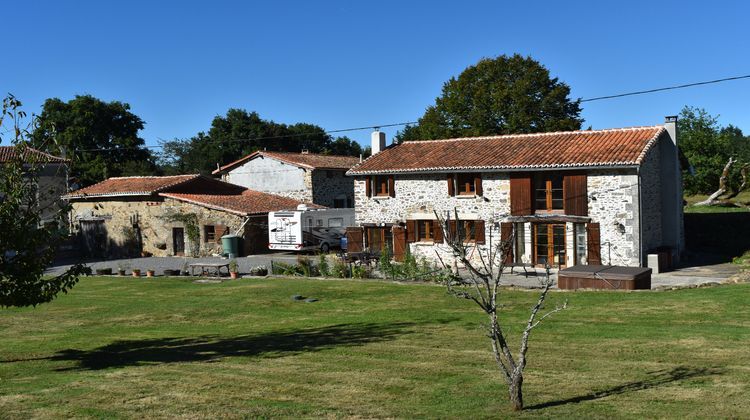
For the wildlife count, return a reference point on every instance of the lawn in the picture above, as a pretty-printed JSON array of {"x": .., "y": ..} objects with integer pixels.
[
  {"x": 743, "y": 197},
  {"x": 126, "y": 348}
]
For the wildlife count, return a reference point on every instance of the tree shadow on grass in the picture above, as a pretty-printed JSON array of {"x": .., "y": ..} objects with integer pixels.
[
  {"x": 212, "y": 347},
  {"x": 655, "y": 379}
]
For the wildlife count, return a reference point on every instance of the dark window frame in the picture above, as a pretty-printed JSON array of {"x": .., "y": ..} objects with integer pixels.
[
  {"x": 425, "y": 232},
  {"x": 209, "y": 233},
  {"x": 380, "y": 186}
]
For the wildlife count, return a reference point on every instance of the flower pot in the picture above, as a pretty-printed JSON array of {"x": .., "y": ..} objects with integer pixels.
[
  {"x": 169, "y": 272},
  {"x": 103, "y": 271},
  {"x": 121, "y": 272},
  {"x": 150, "y": 273},
  {"x": 234, "y": 274},
  {"x": 136, "y": 273}
]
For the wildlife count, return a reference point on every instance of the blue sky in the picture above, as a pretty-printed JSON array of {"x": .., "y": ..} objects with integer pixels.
[{"x": 350, "y": 64}]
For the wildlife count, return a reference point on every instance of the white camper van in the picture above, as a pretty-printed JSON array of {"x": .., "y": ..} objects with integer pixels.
[{"x": 306, "y": 229}]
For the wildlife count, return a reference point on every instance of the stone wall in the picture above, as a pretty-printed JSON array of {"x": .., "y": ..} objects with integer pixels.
[
  {"x": 418, "y": 196},
  {"x": 151, "y": 216},
  {"x": 613, "y": 203},
  {"x": 329, "y": 184},
  {"x": 273, "y": 176},
  {"x": 651, "y": 194},
  {"x": 52, "y": 183}
]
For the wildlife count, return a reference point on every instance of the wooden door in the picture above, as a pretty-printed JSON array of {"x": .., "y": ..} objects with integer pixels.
[
  {"x": 178, "y": 241},
  {"x": 549, "y": 244}
]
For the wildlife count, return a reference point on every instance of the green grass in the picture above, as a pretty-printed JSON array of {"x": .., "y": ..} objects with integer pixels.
[{"x": 125, "y": 348}]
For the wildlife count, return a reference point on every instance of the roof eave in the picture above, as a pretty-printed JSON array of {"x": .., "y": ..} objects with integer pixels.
[{"x": 623, "y": 165}]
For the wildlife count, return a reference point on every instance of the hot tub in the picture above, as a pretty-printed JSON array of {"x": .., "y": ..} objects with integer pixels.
[{"x": 604, "y": 277}]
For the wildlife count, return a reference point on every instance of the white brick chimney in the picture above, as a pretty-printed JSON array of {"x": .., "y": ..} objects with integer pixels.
[{"x": 377, "y": 141}]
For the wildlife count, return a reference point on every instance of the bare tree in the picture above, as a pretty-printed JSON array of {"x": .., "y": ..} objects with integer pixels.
[
  {"x": 715, "y": 198},
  {"x": 477, "y": 273}
]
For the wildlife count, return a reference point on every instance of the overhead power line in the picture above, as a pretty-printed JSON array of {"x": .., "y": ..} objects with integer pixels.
[
  {"x": 284, "y": 136},
  {"x": 343, "y": 130},
  {"x": 642, "y": 92}
]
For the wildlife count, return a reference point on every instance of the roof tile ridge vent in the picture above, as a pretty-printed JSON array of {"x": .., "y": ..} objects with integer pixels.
[{"x": 550, "y": 133}]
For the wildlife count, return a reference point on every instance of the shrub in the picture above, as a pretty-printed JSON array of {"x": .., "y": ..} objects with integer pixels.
[
  {"x": 340, "y": 270},
  {"x": 359, "y": 272},
  {"x": 323, "y": 267}
]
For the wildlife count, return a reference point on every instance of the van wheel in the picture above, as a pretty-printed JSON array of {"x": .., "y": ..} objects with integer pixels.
[{"x": 324, "y": 248}]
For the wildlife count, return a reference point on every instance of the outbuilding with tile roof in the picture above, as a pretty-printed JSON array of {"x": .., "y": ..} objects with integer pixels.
[
  {"x": 311, "y": 177},
  {"x": 183, "y": 215}
]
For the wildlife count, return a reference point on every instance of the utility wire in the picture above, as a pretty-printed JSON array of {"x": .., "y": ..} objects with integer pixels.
[
  {"x": 642, "y": 92},
  {"x": 597, "y": 98}
]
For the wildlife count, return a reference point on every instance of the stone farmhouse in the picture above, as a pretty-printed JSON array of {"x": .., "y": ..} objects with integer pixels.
[
  {"x": 314, "y": 178},
  {"x": 171, "y": 215},
  {"x": 583, "y": 197},
  {"x": 52, "y": 177}
]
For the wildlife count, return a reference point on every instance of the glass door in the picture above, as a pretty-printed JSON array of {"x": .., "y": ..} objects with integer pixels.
[{"x": 549, "y": 244}]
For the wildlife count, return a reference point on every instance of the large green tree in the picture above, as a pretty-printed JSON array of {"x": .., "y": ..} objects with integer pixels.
[
  {"x": 239, "y": 133},
  {"x": 708, "y": 146},
  {"x": 27, "y": 246},
  {"x": 502, "y": 95},
  {"x": 100, "y": 137}
]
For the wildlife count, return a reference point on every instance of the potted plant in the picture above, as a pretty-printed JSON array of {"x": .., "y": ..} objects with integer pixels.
[
  {"x": 150, "y": 272},
  {"x": 185, "y": 271},
  {"x": 103, "y": 271},
  {"x": 233, "y": 273},
  {"x": 136, "y": 272},
  {"x": 171, "y": 272}
]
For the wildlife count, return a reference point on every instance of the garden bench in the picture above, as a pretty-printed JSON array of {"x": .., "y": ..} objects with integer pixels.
[{"x": 207, "y": 267}]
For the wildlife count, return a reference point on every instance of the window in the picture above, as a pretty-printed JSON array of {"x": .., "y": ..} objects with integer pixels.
[
  {"x": 549, "y": 246},
  {"x": 520, "y": 242},
  {"x": 424, "y": 231},
  {"x": 465, "y": 184},
  {"x": 336, "y": 222},
  {"x": 209, "y": 233},
  {"x": 467, "y": 230},
  {"x": 548, "y": 192},
  {"x": 381, "y": 186},
  {"x": 319, "y": 222},
  {"x": 340, "y": 202}
]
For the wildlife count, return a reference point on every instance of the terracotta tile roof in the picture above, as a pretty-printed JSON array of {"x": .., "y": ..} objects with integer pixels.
[
  {"x": 8, "y": 153},
  {"x": 247, "y": 203},
  {"x": 304, "y": 160},
  {"x": 592, "y": 148},
  {"x": 131, "y": 185}
]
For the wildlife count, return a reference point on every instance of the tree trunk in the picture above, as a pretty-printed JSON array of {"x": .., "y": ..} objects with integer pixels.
[
  {"x": 516, "y": 393},
  {"x": 723, "y": 186}
]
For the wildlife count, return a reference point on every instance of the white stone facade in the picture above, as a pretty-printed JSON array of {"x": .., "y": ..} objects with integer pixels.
[
  {"x": 627, "y": 204},
  {"x": 326, "y": 187}
]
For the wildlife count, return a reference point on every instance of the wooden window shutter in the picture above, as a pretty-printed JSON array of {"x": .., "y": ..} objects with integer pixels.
[
  {"x": 478, "y": 185},
  {"x": 354, "y": 241},
  {"x": 411, "y": 231},
  {"x": 521, "y": 199},
  {"x": 437, "y": 231},
  {"x": 506, "y": 232},
  {"x": 451, "y": 185},
  {"x": 399, "y": 243},
  {"x": 219, "y": 231},
  {"x": 576, "y": 195},
  {"x": 368, "y": 186},
  {"x": 479, "y": 230},
  {"x": 391, "y": 186},
  {"x": 593, "y": 244}
]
